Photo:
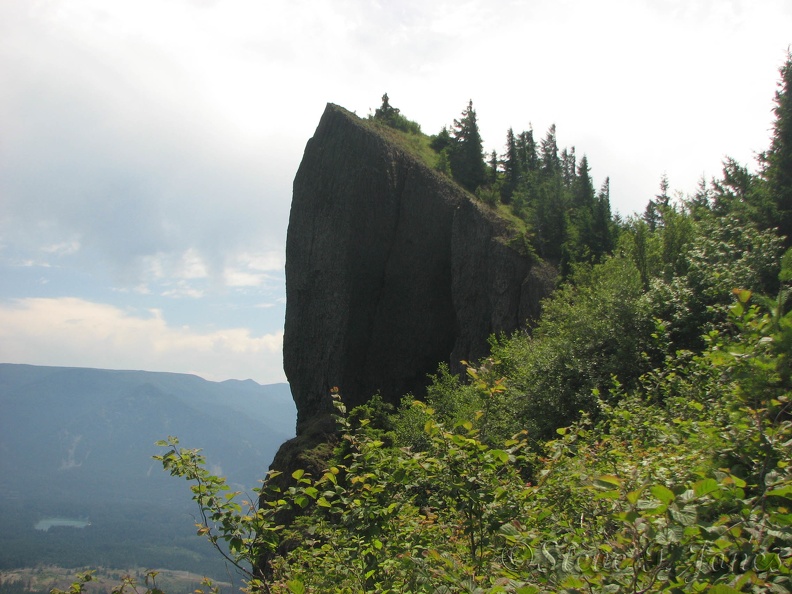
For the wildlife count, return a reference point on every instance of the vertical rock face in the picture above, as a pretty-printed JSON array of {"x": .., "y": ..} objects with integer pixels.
[{"x": 390, "y": 270}]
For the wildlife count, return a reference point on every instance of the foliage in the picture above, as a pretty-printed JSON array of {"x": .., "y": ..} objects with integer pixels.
[
  {"x": 692, "y": 290},
  {"x": 682, "y": 484},
  {"x": 778, "y": 159},
  {"x": 130, "y": 585},
  {"x": 593, "y": 328},
  {"x": 391, "y": 116},
  {"x": 465, "y": 153},
  {"x": 678, "y": 482}
]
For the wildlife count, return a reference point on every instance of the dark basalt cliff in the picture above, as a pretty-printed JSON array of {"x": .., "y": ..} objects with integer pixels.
[{"x": 391, "y": 268}]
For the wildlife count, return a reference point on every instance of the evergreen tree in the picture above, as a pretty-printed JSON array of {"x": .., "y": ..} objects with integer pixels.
[
  {"x": 526, "y": 152},
  {"x": 701, "y": 201},
  {"x": 582, "y": 188},
  {"x": 441, "y": 141},
  {"x": 778, "y": 160},
  {"x": 549, "y": 218},
  {"x": 568, "y": 166},
  {"x": 493, "y": 167},
  {"x": 467, "y": 157},
  {"x": 653, "y": 215},
  {"x": 549, "y": 154},
  {"x": 733, "y": 193},
  {"x": 526, "y": 173},
  {"x": 386, "y": 112},
  {"x": 512, "y": 168},
  {"x": 603, "y": 227},
  {"x": 392, "y": 117},
  {"x": 744, "y": 197}
]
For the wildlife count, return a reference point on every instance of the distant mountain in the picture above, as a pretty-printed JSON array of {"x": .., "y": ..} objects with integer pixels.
[{"x": 78, "y": 442}]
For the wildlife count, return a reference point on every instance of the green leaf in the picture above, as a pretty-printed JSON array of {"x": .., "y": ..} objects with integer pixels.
[
  {"x": 607, "y": 482},
  {"x": 662, "y": 493},
  {"x": 298, "y": 474},
  {"x": 743, "y": 295},
  {"x": 785, "y": 491},
  {"x": 607, "y": 495},
  {"x": 501, "y": 455},
  {"x": 573, "y": 581},
  {"x": 705, "y": 487},
  {"x": 685, "y": 516},
  {"x": 722, "y": 589},
  {"x": 633, "y": 496},
  {"x": 734, "y": 480}
]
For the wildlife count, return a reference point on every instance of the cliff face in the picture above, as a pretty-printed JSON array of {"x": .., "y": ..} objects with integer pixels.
[{"x": 390, "y": 269}]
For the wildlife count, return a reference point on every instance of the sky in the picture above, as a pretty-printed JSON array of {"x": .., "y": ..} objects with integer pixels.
[{"x": 147, "y": 148}]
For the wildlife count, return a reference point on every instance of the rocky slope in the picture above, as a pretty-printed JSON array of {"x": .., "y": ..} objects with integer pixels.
[{"x": 391, "y": 268}]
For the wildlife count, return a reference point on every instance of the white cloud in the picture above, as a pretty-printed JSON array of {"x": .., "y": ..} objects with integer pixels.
[
  {"x": 79, "y": 333},
  {"x": 32, "y": 263},
  {"x": 192, "y": 266},
  {"x": 255, "y": 269},
  {"x": 151, "y": 145},
  {"x": 263, "y": 261},
  {"x": 183, "y": 289},
  {"x": 242, "y": 278},
  {"x": 64, "y": 248}
]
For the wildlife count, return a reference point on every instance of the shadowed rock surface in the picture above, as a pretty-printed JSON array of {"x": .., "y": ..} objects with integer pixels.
[{"x": 391, "y": 268}]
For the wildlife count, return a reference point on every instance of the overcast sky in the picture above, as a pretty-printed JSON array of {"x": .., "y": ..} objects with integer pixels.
[{"x": 147, "y": 147}]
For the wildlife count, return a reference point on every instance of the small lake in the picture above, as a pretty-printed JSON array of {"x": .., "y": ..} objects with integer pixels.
[{"x": 48, "y": 523}]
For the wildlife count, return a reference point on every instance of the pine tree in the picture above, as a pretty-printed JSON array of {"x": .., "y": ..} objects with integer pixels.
[
  {"x": 441, "y": 141},
  {"x": 653, "y": 215},
  {"x": 778, "y": 159},
  {"x": 733, "y": 193},
  {"x": 526, "y": 152},
  {"x": 701, "y": 201},
  {"x": 494, "y": 165},
  {"x": 603, "y": 233},
  {"x": 568, "y": 166},
  {"x": 512, "y": 168},
  {"x": 549, "y": 154},
  {"x": 467, "y": 157},
  {"x": 582, "y": 187},
  {"x": 386, "y": 112}
]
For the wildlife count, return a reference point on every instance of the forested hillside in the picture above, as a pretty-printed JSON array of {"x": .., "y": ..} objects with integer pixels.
[
  {"x": 637, "y": 439},
  {"x": 78, "y": 483}
]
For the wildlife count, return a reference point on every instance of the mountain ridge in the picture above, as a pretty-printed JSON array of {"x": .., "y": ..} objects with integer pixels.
[{"x": 78, "y": 443}]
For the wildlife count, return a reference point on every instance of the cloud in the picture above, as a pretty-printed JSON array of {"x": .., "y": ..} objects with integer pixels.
[
  {"x": 64, "y": 248},
  {"x": 112, "y": 140},
  {"x": 263, "y": 269},
  {"x": 149, "y": 147},
  {"x": 78, "y": 333}
]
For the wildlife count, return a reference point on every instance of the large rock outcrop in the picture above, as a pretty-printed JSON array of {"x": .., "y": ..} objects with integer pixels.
[{"x": 391, "y": 268}]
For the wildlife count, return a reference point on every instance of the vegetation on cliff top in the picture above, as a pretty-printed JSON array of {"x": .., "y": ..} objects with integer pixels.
[{"x": 544, "y": 192}]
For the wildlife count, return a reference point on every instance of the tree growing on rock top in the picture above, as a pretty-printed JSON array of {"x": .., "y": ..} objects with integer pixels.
[
  {"x": 466, "y": 155},
  {"x": 386, "y": 112},
  {"x": 391, "y": 116}
]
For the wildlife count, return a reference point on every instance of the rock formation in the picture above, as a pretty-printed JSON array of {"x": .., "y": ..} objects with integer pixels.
[{"x": 391, "y": 268}]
